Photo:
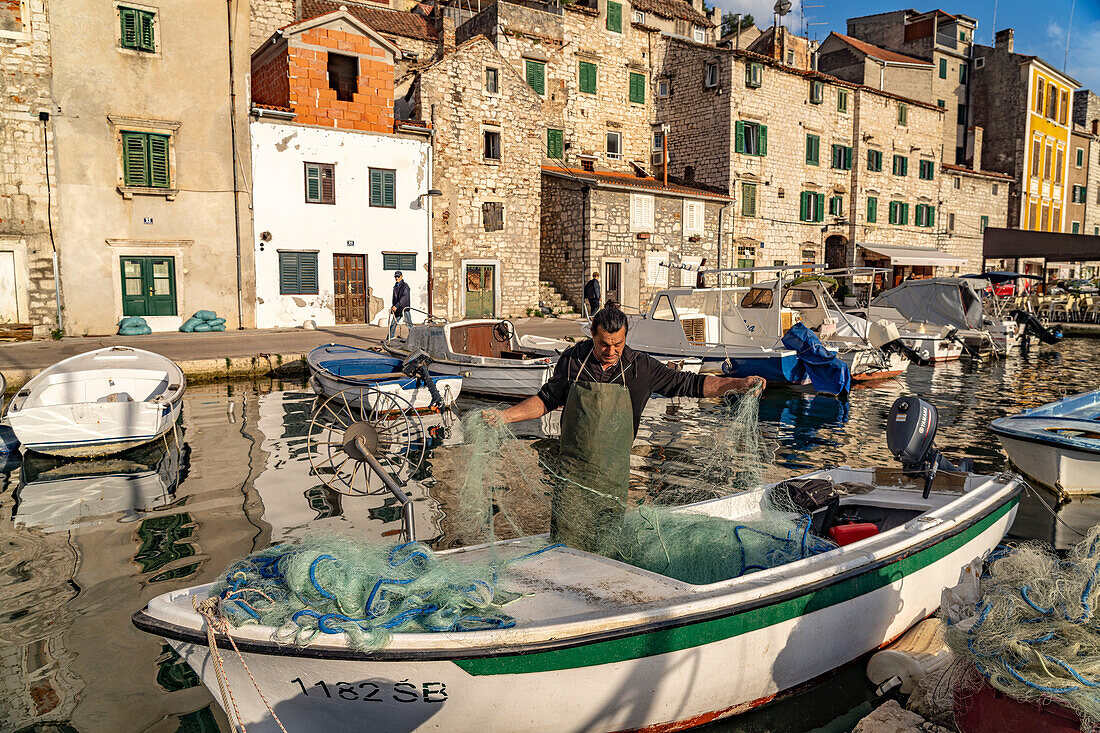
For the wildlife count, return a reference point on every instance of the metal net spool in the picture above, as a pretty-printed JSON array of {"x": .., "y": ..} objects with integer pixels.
[{"x": 362, "y": 436}]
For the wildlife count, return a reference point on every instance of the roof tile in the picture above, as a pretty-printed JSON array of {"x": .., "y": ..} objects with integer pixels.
[
  {"x": 619, "y": 178},
  {"x": 880, "y": 53},
  {"x": 672, "y": 9},
  {"x": 383, "y": 20}
]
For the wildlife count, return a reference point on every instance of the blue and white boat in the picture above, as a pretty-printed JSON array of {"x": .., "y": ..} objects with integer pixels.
[
  {"x": 1058, "y": 443},
  {"x": 334, "y": 368}
]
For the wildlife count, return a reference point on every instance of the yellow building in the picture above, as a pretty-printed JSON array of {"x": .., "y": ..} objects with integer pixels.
[{"x": 1024, "y": 105}]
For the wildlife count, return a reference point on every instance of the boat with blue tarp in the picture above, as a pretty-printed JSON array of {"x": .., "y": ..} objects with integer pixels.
[{"x": 336, "y": 368}]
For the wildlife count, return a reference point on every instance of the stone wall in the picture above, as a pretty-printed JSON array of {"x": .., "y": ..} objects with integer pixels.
[
  {"x": 268, "y": 16},
  {"x": 451, "y": 93},
  {"x": 967, "y": 196},
  {"x": 26, "y": 251},
  {"x": 565, "y": 221},
  {"x": 999, "y": 104},
  {"x": 1086, "y": 110},
  {"x": 1077, "y": 177}
]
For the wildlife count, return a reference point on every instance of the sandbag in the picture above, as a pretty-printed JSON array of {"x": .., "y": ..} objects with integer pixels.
[
  {"x": 201, "y": 328},
  {"x": 189, "y": 325},
  {"x": 135, "y": 330},
  {"x": 205, "y": 315},
  {"x": 215, "y": 322},
  {"x": 219, "y": 327},
  {"x": 132, "y": 321}
]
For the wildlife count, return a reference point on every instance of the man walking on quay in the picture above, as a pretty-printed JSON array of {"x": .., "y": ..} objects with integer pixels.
[
  {"x": 603, "y": 386},
  {"x": 400, "y": 302},
  {"x": 592, "y": 293}
]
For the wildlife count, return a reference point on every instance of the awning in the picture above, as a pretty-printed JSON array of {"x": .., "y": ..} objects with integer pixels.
[{"x": 899, "y": 255}]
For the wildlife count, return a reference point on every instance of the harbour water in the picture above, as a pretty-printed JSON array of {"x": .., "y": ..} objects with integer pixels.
[{"x": 85, "y": 544}]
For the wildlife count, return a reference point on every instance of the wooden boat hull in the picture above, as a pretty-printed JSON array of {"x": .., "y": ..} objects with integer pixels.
[
  {"x": 667, "y": 673},
  {"x": 522, "y": 380},
  {"x": 1068, "y": 470}
]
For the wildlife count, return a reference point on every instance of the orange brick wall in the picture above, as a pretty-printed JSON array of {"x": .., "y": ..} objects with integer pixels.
[
  {"x": 371, "y": 108},
  {"x": 271, "y": 82}
]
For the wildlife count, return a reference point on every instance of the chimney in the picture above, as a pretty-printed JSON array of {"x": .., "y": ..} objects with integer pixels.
[
  {"x": 1002, "y": 41},
  {"x": 698, "y": 5},
  {"x": 977, "y": 133},
  {"x": 447, "y": 33}
]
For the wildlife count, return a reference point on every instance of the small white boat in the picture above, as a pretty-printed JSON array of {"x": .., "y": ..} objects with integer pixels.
[
  {"x": 335, "y": 368},
  {"x": 484, "y": 352},
  {"x": 98, "y": 403},
  {"x": 1058, "y": 444},
  {"x": 599, "y": 645},
  {"x": 8, "y": 442}
]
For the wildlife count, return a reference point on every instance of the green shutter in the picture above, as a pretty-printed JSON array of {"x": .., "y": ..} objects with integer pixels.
[
  {"x": 762, "y": 136},
  {"x": 129, "y": 27},
  {"x": 984, "y": 224},
  {"x": 905, "y": 213},
  {"x": 931, "y": 216},
  {"x": 918, "y": 218},
  {"x": 536, "y": 76},
  {"x": 307, "y": 272},
  {"x": 389, "y": 188},
  {"x": 819, "y": 211},
  {"x": 893, "y": 212},
  {"x": 615, "y": 17},
  {"x": 872, "y": 209},
  {"x": 289, "y": 282},
  {"x": 637, "y": 88},
  {"x": 586, "y": 77},
  {"x": 848, "y": 158},
  {"x": 555, "y": 144},
  {"x": 739, "y": 137},
  {"x": 748, "y": 199},
  {"x": 812, "y": 144},
  {"x": 943, "y": 68},
  {"x": 146, "y": 41},
  {"x": 135, "y": 159},
  {"x": 158, "y": 161},
  {"x": 313, "y": 185},
  {"x": 804, "y": 206}
]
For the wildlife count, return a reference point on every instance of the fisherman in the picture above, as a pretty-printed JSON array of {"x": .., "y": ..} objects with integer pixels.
[
  {"x": 399, "y": 307},
  {"x": 592, "y": 293},
  {"x": 603, "y": 386}
]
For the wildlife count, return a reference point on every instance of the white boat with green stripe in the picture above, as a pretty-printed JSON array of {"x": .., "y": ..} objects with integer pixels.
[{"x": 599, "y": 645}]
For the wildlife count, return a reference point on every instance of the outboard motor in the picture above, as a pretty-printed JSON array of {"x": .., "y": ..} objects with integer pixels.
[
  {"x": 885, "y": 336},
  {"x": 910, "y": 432},
  {"x": 1034, "y": 326},
  {"x": 416, "y": 365}
]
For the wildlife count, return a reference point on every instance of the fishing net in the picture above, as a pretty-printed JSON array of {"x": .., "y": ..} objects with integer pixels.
[
  {"x": 677, "y": 523},
  {"x": 1036, "y": 635}
]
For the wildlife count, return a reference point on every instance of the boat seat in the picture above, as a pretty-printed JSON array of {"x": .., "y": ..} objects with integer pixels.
[{"x": 116, "y": 397}]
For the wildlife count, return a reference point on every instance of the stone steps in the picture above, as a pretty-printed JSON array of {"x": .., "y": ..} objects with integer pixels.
[{"x": 552, "y": 300}]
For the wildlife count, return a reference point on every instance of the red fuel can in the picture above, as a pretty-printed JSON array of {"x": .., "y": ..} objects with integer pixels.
[{"x": 846, "y": 534}]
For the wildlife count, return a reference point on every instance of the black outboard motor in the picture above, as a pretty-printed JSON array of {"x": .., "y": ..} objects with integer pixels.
[
  {"x": 1035, "y": 327},
  {"x": 898, "y": 346},
  {"x": 910, "y": 432},
  {"x": 416, "y": 365}
]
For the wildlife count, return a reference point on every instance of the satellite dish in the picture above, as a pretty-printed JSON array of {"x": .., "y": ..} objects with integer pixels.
[{"x": 782, "y": 7}]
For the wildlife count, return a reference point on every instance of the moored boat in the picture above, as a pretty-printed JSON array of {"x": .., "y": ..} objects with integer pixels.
[
  {"x": 1058, "y": 444},
  {"x": 334, "y": 368},
  {"x": 604, "y": 646},
  {"x": 485, "y": 352},
  {"x": 98, "y": 403}
]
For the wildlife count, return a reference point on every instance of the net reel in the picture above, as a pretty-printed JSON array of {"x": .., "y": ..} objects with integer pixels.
[{"x": 364, "y": 441}]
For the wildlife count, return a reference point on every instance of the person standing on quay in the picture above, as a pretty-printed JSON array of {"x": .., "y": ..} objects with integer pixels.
[
  {"x": 592, "y": 293},
  {"x": 400, "y": 302}
]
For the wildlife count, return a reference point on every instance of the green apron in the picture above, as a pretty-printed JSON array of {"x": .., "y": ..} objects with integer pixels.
[{"x": 597, "y": 431}]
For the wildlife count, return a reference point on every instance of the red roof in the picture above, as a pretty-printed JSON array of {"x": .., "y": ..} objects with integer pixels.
[
  {"x": 880, "y": 53},
  {"x": 381, "y": 19},
  {"x": 672, "y": 9},
  {"x": 619, "y": 178},
  {"x": 971, "y": 171}
]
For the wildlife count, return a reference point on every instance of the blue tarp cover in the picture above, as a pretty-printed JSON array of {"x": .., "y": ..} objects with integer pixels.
[{"x": 827, "y": 372}]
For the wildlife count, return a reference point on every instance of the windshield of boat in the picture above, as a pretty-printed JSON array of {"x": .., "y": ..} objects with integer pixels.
[
  {"x": 799, "y": 298},
  {"x": 757, "y": 298},
  {"x": 662, "y": 311}
]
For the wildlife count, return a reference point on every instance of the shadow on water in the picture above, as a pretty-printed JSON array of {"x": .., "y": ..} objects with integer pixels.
[{"x": 81, "y": 547}]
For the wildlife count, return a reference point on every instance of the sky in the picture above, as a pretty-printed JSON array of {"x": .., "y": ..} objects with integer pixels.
[{"x": 1040, "y": 27}]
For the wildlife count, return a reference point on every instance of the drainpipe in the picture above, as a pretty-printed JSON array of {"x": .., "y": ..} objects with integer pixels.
[
  {"x": 430, "y": 212},
  {"x": 45, "y": 117},
  {"x": 233, "y": 156}
]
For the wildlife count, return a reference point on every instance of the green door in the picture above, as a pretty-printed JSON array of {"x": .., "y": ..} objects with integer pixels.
[
  {"x": 480, "y": 299},
  {"x": 148, "y": 286}
]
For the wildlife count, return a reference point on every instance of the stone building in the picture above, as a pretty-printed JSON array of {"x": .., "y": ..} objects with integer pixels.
[
  {"x": 629, "y": 229},
  {"x": 944, "y": 40},
  {"x": 28, "y": 169},
  {"x": 972, "y": 200},
  {"x": 785, "y": 47},
  {"x": 1081, "y": 143},
  {"x": 487, "y": 145},
  {"x": 339, "y": 197},
  {"x": 1086, "y": 114},
  {"x": 1023, "y": 104},
  {"x": 863, "y": 63},
  {"x": 152, "y": 143}
]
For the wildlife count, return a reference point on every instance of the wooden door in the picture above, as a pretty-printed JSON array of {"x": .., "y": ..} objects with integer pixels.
[
  {"x": 480, "y": 297},
  {"x": 9, "y": 305},
  {"x": 349, "y": 288},
  {"x": 613, "y": 282},
  {"x": 148, "y": 286}
]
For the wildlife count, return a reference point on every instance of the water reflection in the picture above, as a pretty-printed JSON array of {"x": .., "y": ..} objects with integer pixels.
[{"x": 85, "y": 544}]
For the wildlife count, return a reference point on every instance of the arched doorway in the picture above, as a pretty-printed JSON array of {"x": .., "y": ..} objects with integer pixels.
[{"x": 836, "y": 251}]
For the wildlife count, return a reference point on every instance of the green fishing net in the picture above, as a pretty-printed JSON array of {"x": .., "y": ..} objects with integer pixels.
[{"x": 1036, "y": 635}]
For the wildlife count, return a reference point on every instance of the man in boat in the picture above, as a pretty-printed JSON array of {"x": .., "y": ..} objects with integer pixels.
[
  {"x": 399, "y": 303},
  {"x": 592, "y": 293},
  {"x": 603, "y": 386}
]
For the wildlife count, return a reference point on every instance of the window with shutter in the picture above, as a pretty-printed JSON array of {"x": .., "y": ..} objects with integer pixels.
[
  {"x": 874, "y": 160},
  {"x": 901, "y": 165},
  {"x": 586, "y": 74},
  {"x": 748, "y": 199},
  {"x": 491, "y": 144},
  {"x": 383, "y": 188},
  {"x": 536, "y": 75},
  {"x": 492, "y": 216},
  {"x": 404, "y": 261},
  {"x": 813, "y": 149},
  {"x": 298, "y": 273},
  {"x": 637, "y": 88},
  {"x": 819, "y": 207},
  {"x": 615, "y": 17},
  {"x": 693, "y": 217},
  {"x": 943, "y": 68},
  {"x": 137, "y": 29},
  {"x": 804, "y": 206},
  {"x": 836, "y": 206},
  {"x": 817, "y": 92},
  {"x": 492, "y": 80},
  {"x": 641, "y": 212},
  {"x": 146, "y": 160},
  {"x": 841, "y": 100},
  {"x": 320, "y": 183},
  {"x": 710, "y": 75},
  {"x": 982, "y": 224},
  {"x": 555, "y": 144},
  {"x": 754, "y": 73},
  {"x": 904, "y": 214},
  {"x": 903, "y": 114},
  {"x": 872, "y": 209}
]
